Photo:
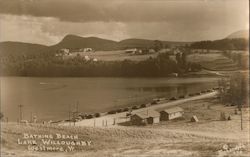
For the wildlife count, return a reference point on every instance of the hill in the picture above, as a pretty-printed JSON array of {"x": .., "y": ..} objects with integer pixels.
[
  {"x": 19, "y": 48},
  {"x": 239, "y": 34},
  {"x": 73, "y": 41}
]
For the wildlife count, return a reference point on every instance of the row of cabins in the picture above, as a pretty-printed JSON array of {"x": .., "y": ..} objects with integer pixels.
[{"x": 154, "y": 117}]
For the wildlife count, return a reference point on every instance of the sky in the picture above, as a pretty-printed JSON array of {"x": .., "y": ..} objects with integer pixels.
[{"x": 48, "y": 21}]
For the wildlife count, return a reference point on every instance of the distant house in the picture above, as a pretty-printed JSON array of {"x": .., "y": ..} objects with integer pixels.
[
  {"x": 171, "y": 113},
  {"x": 151, "y": 51},
  {"x": 173, "y": 74},
  {"x": 87, "y": 50},
  {"x": 132, "y": 51},
  {"x": 145, "y": 117},
  {"x": 86, "y": 58}
]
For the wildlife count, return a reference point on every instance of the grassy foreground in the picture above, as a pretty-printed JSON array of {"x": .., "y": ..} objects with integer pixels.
[{"x": 208, "y": 137}]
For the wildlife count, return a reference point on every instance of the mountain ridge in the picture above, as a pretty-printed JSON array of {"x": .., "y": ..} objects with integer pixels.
[
  {"x": 75, "y": 41},
  {"x": 239, "y": 34}
]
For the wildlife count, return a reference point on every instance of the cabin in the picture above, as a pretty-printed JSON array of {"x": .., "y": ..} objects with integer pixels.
[
  {"x": 171, "y": 113},
  {"x": 145, "y": 117},
  {"x": 131, "y": 51}
]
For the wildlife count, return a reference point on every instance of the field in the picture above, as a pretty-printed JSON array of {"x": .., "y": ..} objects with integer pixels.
[
  {"x": 213, "y": 61},
  {"x": 207, "y": 137},
  {"x": 119, "y": 55}
]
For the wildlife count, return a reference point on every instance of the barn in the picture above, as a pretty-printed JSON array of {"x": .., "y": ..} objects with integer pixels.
[
  {"x": 171, "y": 113},
  {"x": 145, "y": 117}
]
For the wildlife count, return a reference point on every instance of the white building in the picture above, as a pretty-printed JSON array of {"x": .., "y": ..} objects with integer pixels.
[{"x": 86, "y": 58}]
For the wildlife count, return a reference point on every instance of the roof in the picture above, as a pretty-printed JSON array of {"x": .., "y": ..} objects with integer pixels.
[
  {"x": 147, "y": 113},
  {"x": 173, "y": 110}
]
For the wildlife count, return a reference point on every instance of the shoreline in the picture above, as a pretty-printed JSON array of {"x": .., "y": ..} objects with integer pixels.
[{"x": 115, "y": 119}]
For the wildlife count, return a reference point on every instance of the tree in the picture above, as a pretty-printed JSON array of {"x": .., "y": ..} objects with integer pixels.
[
  {"x": 178, "y": 58},
  {"x": 184, "y": 59},
  {"x": 158, "y": 45},
  {"x": 235, "y": 90},
  {"x": 1, "y": 115}
]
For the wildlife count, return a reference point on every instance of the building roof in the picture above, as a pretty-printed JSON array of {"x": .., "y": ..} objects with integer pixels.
[
  {"x": 173, "y": 110},
  {"x": 147, "y": 113}
]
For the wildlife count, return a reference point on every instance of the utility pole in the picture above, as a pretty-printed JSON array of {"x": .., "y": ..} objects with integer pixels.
[
  {"x": 31, "y": 117},
  {"x": 69, "y": 115},
  {"x": 75, "y": 112},
  {"x": 20, "y": 113},
  {"x": 241, "y": 118},
  {"x": 77, "y": 108}
]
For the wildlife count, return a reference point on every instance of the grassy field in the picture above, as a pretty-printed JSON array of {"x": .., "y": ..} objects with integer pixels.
[
  {"x": 213, "y": 61},
  {"x": 208, "y": 112},
  {"x": 173, "y": 138},
  {"x": 118, "y": 55}
]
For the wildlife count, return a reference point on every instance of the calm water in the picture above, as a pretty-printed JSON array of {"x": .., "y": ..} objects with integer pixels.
[{"x": 52, "y": 98}]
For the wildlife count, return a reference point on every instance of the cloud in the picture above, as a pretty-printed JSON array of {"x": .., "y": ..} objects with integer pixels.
[
  {"x": 26, "y": 29},
  {"x": 125, "y": 10},
  {"x": 48, "y": 21},
  {"x": 49, "y": 31}
]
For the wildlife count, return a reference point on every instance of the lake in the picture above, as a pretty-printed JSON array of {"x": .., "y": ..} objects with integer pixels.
[{"x": 53, "y": 98}]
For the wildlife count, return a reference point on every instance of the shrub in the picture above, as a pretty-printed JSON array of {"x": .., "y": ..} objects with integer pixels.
[
  {"x": 119, "y": 110},
  {"x": 153, "y": 102},
  {"x": 143, "y": 105},
  {"x": 182, "y": 96},
  {"x": 173, "y": 98},
  {"x": 97, "y": 114},
  {"x": 112, "y": 112},
  {"x": 89, "y": 116},
  {"x": 125, "y": 109},
  {"x": 134, "y": 107}
]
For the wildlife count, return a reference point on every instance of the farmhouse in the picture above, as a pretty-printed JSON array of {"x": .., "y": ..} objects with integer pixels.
[
  {"x": 133, "y": 51},
  {"x": 171, "y": 113},
  {"x": 145, "y": 117}
]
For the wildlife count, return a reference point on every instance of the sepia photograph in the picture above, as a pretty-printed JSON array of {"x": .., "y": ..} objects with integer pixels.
[{"x": 124, "y": 78}]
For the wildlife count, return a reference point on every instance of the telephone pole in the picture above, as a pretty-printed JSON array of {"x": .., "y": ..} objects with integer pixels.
[
  {"x": 77, "y": 108},
  {"x": 69, "y": 115},
  {"x": 241, "y": 118},
  {"x": 20, "y": 113}
]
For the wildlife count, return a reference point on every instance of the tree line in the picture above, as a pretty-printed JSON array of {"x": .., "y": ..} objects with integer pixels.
[
  {"x": 49, "y": 65},
  {"x": 224, "y": 44}
]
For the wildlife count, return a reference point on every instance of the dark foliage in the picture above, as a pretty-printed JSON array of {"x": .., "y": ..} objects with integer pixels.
[
  {"x": 224, "y": 44},
  {"x": 46, "y": 64}
]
